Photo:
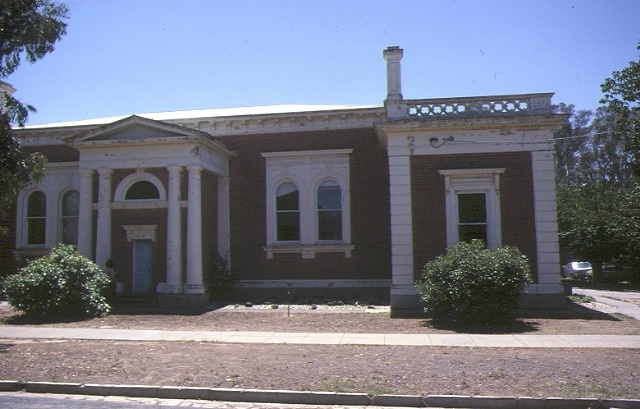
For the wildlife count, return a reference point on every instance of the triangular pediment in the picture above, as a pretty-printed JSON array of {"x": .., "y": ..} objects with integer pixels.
[{"x": 138, "y": 129}]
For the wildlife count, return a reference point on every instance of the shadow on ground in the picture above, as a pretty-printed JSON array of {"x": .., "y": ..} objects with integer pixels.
[{"x": 514, "y": 326}]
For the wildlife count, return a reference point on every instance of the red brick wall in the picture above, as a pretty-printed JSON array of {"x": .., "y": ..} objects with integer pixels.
[
  {"x": 428, "y": 202},
  {"x": 370, "y": 231},
  {"x": 209, "y": 222}
]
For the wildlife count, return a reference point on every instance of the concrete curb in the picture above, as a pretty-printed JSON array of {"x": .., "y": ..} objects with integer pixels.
[{"x": 316, "y": 398}]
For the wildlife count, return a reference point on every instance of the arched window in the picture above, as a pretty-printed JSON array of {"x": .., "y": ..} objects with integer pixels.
[
  {"x": 329, "y": 211},
  {"x": 36, "y": 218},
  {"x": 142, "y": 190},
  {"x": 69, "y": 217},
  {"x": 287, "y": 212}
]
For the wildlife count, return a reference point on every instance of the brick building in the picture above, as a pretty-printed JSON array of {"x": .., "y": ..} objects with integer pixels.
[{"x": 348, "y": 201}]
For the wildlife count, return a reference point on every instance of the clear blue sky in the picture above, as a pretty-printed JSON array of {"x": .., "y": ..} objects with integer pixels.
[{"x": 135, "y": 56}]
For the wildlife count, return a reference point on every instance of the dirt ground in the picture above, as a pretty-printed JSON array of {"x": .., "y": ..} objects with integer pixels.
[{"x": 599, "y": 373}]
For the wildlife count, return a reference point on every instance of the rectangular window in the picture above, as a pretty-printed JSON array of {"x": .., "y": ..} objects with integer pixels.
[
  {"x": 472, "y": 216},
  {"x": 472, "y": 199}
]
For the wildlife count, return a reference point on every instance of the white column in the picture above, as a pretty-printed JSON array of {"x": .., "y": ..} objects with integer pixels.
[
  {"x": 85, "y": 214},
  {"x": 103, "y": 241},
  {"x": 194, "y": 232},
  {"x": 223, "y": 218},
  {"x": 174, "y": 229}
]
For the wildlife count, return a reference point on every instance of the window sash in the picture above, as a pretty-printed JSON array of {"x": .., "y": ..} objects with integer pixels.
[
  {"x": 472, "y": 216},
  {"x": 70, "y": 208},
  {"x": 142, "y": 190},
  {"x": 288, "y": 225},
  {"x": 287, "y": 212},
  {"x": 329, "y": 211},
  {"x": 36, "y": 218}
]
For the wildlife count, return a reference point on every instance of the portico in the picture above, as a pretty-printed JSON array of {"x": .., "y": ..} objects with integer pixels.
[{"x": 143, "y": 203}]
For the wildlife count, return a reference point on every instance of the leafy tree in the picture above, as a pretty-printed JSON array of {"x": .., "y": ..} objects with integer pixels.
[
  {"x": 591, "y": 223},
  {"x": 570, "y": 143},
  {"x": 622, "y": 98},
  {"x": 598, "y": 175},
  {"x": 588, "y": 150},
  {"x": 28, "y": 29}
]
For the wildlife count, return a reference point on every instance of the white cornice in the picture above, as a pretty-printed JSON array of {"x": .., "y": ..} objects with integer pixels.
[{"x": 243, "y": 123}]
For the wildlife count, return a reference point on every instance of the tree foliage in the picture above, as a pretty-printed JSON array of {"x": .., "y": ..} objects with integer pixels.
[
  {"x": 598, "y": 223},
  {"x": 622, "y": 98},
  {"x": 588, "y": 150},
  {"x": 29, "y": 29},
  {"x": 598, "y": 175}
]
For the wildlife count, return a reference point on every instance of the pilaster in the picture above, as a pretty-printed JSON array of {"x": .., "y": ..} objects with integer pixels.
[
  {"x": 85, "y": 214},
  {"x": 174, "y": 228},
  {"x": 103, "y": 241},
  {"x": 223, "y": 218}
]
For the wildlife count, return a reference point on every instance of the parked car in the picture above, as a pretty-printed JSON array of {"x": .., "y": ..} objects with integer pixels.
[{"x": 578, "y": 269}]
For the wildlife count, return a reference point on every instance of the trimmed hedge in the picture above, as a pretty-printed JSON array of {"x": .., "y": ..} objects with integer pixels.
[
  {"x": 474, "y": 284},
  {"x": 60, "y": 284}
]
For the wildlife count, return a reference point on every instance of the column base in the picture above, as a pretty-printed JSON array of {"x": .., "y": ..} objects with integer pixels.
[
  {"x": 195, "y": 301},
  {"x": 195, "y": 289},
  {"x": 406, "y": 306},
  {"x": 164, "y": 288},
  {"x": 182, "y": 296}
]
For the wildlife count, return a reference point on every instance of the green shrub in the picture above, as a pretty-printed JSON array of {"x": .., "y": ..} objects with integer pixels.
[
  {"x": 221, "y": 281},
  {"x": 474, "y": 284},
  {"x": 60, "y": 284}
]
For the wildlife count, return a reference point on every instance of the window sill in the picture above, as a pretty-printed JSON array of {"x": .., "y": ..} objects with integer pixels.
[{"x": 309, "y": 251}]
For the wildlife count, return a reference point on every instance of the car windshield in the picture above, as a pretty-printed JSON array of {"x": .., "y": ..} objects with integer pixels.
[{"x": 583, "y": 264}]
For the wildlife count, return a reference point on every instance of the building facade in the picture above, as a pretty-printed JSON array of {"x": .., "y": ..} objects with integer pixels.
[{"x": 343, "y": 201}]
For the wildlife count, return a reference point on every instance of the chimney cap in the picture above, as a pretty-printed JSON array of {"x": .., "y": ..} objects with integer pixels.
[{"x": 392, "y": 52}]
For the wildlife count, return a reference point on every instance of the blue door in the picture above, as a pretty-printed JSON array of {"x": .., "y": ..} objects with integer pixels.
[{"x": 142, "y": 266}]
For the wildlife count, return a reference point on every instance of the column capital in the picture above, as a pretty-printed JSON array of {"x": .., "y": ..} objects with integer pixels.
[
  {"x": 193, "y": 168},
  {"x": 105, "y": 171},
  {"x": 174, "y": 168},
  {"x": 87, "y": 172}
]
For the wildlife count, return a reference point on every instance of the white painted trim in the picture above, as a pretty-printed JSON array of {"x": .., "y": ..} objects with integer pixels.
[
  {"x": 464, "y": 181},
  {"x": 401, "y": 223},
  {"x": 307, "y": 170},
  {"x": 56, "y": 180},
  {"x": 139, "y": 176},
  {"x": 309, "y": 251},
  {"x": 304, "y": 154},
  {"x": 547, "y": 247},
  {"x": 141, "y": 231}
]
